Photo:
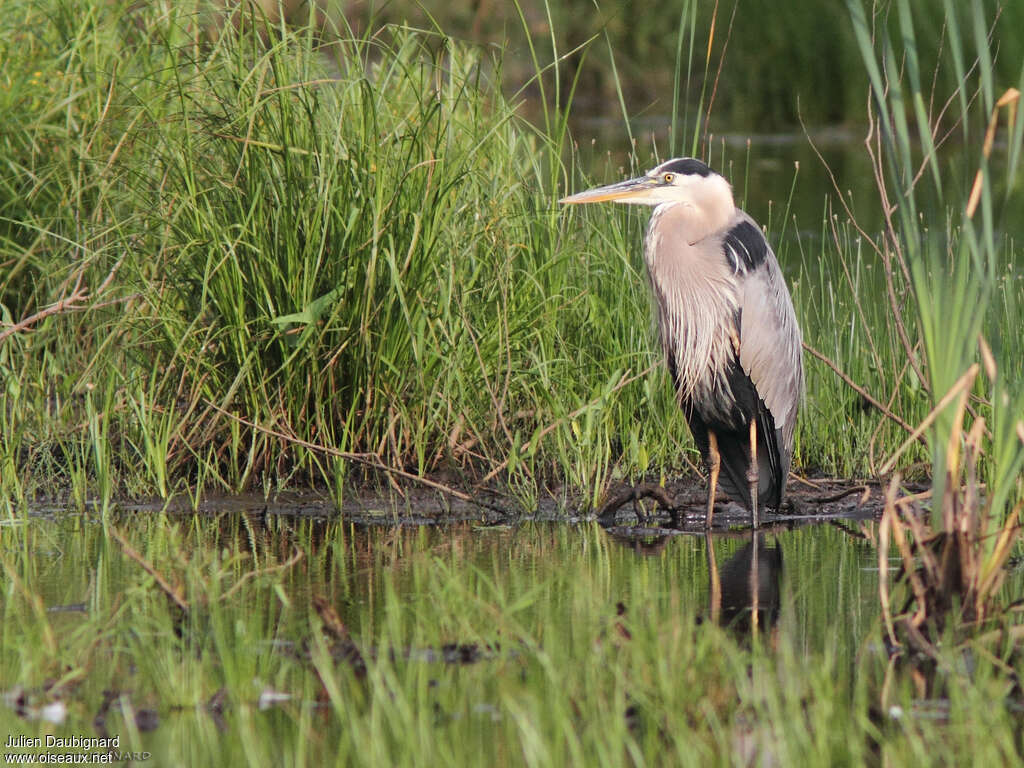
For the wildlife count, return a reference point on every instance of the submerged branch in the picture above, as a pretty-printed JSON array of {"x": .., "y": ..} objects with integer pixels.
[{"x": 172, "y": 593}]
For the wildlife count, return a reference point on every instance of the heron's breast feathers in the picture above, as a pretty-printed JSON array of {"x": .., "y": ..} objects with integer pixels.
[
  {"x": 698, "y": 324},
  {"x": 725, "y": 318}
]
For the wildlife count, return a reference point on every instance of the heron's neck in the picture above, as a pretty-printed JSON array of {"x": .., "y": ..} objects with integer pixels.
[
  {"x": 696, "y": 222},
  {"x": 711, "y": 211}
]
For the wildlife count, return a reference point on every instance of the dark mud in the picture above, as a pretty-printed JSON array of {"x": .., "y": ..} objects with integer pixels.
[{"x": 678, "y": 508}]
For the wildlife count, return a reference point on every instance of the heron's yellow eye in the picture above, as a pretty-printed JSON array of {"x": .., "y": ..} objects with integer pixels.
[{"x": 669, "y": 178}]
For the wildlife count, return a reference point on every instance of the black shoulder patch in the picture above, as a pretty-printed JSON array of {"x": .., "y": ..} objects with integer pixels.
[
  {"x": 745, "y": 247},
  {"x": 684, "y": 165}
]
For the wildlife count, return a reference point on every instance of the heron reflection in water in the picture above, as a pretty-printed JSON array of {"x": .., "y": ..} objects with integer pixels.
[{"x": 745, "y": 593}]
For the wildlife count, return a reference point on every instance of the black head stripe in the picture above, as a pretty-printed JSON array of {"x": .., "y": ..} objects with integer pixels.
[{"x": 683, "y": 165}]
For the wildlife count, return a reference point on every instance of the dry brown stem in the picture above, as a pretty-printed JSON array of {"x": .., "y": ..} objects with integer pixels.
[
  {"x": 77, "y": 299},
  {"x": 860, "y": 390}
]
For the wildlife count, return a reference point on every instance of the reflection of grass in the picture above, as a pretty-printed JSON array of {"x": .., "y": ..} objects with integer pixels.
[{"x": 561, "y": 676}]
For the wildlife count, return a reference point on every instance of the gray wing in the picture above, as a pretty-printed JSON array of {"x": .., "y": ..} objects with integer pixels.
[{"x": 770, "y": 344}]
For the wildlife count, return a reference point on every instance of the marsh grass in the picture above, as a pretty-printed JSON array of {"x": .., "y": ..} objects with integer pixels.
[
  {"x": 260, "y": 257},
  {"x": 274, "y": 258},
  {"x": 944, "y": 248},
  {"x": 265, "y": 257}
]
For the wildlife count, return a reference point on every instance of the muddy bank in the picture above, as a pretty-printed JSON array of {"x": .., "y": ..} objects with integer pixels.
[{"x": 807, "y": 500}]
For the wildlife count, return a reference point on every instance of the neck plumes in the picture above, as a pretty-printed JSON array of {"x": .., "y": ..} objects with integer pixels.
[{"x": 709, "y": 210}]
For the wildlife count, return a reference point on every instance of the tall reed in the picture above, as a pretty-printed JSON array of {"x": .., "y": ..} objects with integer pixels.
[{"x": 943, "y": 246}]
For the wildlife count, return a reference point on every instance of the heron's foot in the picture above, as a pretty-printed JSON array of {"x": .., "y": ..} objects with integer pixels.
[
  {"x": 796, "y": 506},
  {"x": 623, "y": 496},
  {"x": 709, "y": 513}
]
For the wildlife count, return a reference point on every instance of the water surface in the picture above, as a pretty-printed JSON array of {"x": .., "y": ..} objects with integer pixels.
[{"x": 300, "y": 636}]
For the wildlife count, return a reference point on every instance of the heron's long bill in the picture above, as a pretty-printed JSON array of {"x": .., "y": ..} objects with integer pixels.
[{"x": 623, "y": 190}]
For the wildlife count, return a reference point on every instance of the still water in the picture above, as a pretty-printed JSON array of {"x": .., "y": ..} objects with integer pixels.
[
  {"x": 300, "y": 636},
  {"x": 426, "y": 600},
  {"x": 703, "y": 576},
  {"x": 805, "y": 571}
]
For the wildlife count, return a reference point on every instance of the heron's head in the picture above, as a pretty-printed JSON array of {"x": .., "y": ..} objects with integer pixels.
[{"x": 683, "y": 181}]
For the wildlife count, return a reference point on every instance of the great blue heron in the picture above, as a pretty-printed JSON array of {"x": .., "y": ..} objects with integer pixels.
[{"x": 727, "y": 327}]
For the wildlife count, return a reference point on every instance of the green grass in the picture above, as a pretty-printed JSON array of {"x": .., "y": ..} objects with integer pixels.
[{"x": 372, "y": 264}]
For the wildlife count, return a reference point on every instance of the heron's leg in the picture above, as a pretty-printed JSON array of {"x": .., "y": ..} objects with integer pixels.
[
  {"x": 715, "y": 580},
  {"x": 755, "y": 585},
  {"x": 752, "y": 477},
  {"x": 714, "y": 466}
]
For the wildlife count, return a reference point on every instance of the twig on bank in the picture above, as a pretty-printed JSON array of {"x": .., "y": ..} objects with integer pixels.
[
  {"x": 635, "y": 493},
  {"x": 859, "y": 389},
  {"x": 840, "y": 495},
  {"x": 371, "y": 460}
]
